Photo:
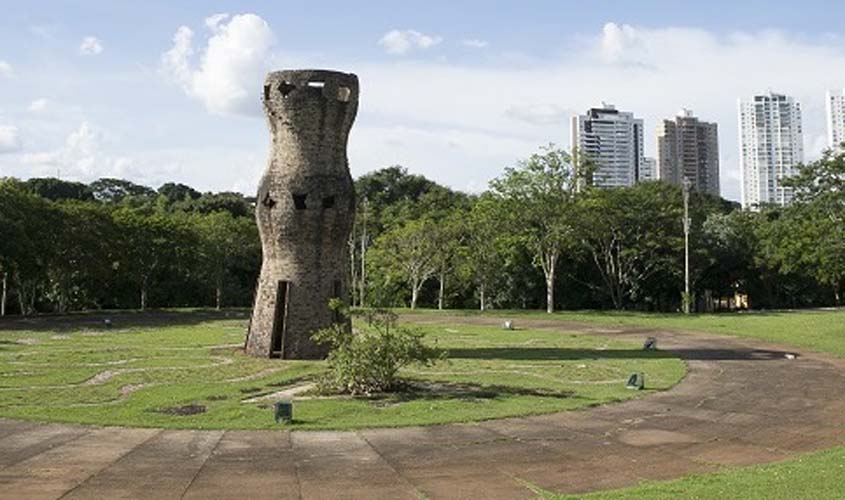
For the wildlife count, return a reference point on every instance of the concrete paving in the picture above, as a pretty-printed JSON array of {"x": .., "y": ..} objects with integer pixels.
[{"x": 741, "y": 403}]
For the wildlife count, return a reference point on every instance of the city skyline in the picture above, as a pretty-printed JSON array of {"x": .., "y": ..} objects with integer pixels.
[{"x": 446, "y": 92}]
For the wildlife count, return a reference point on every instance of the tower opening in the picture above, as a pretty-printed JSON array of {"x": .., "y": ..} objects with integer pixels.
[{"x": 277, "y": 343}]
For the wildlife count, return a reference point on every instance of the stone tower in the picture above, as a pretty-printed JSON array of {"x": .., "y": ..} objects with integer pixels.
[{"x": 304, "y": 209}]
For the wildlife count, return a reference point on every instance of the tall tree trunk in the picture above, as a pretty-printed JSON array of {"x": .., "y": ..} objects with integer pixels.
[
  {"x": 361, "y": 301},
  {"x": 483, "y": 302},
  {"x": 3, "y": 299},
  {"x": 414, "y": 293},
  {"x": 218, "y": 296},
  {"x": 549, "y": 266},
  {"x": 143, "y": 297},
  {"x": 442, "y": 289},
  {"x": 353, "y": 270}
]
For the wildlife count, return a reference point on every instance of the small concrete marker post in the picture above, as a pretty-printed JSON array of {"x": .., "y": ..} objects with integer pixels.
[
  {"x": 650, "y": 344},
  {"x": 107, "y": 323},
  {"x": 508, "y": 324},
  {"x": 636, "y": 382}
]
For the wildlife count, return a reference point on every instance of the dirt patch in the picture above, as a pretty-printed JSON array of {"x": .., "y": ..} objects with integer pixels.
[
  {"x": 126, "y": 390},
  {"x": 218, "y": 397},
  {"x": 250, "y": 390},
  {"x": 102, "y": 377},
  {"x": 182, "y": 411},
  {"x": 283, "y": 394}
]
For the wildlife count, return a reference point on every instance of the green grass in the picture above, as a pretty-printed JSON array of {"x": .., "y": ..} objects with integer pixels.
[
  {"x": 819, "y": 330},
  {"x": 816, "y": 476},
  {"x": 187, "y": 358}
]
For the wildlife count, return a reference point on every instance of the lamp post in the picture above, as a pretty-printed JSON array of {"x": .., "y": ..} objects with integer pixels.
[{"x": 687, "y": 299}]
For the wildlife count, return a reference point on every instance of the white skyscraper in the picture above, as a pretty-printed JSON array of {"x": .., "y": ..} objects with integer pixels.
[
  {"x": 835, "y": 104},
  {"x": 613, "y": 141},
  {"x": 771, "y": 146}
]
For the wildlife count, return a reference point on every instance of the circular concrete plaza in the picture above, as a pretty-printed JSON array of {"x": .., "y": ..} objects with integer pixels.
[{"x": 742, "y": 402}]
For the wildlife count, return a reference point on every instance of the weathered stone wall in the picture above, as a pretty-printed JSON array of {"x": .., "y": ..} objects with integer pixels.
[{"x": 305, "y": 209}]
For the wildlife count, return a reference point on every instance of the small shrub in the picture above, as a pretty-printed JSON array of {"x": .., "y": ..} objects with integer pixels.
[{"x": 367, "y": 360}]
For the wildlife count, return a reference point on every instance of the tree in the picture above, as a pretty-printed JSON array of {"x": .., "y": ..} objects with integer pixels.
[
  {"x": 224, "y": 241},
  {"x": 448, "y": 239},
  {"x": 26, "y": 221},
  {"x": 408, "y": 252},
  {"x": 234, "y": 203},
  {"x": 83, "y": 238},
  {"x": 110, "y": 190},
  {"x": 174, "y": 195},
  {"x": 57, "y": 189},
  {"x": 486, "y": 244},
  {"x": 150, "y": 244},
  {"x": 631, "y": 234},
  {"x": 822, "y": 184},
  {"x": 539, "y": 196},
  {"x": 809, "y": 236}
]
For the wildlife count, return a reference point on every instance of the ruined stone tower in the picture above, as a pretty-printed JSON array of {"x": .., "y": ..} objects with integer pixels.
[{"x": 305, "y": 208}]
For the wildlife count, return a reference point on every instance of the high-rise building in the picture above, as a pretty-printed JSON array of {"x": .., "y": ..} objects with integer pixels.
[
  {"x": 648, "y": 170},
  {"x": 771, "y": 146},
  {"x": 835, "y": 104},
  {"x": 689, "y": 148},
  {"x": 613, "y": 141}
]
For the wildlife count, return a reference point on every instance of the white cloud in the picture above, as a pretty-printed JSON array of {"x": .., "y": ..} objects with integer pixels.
[
  {"x": 10, "y": 140},
  {"x": 231, "y": 67},
  {"x": 619, "y": 42},
  {"x": 213, "y": 21},
  {"x": 39, "y": 105},
  {"x": 6, "y": 70},
  {"x": 539, "y": 114},
  {"x": 400, "y": 42},
  {"x": 475, "y": 43},
  {"x": 91, "y": 46},
  {"x": 81, "y": 157}
]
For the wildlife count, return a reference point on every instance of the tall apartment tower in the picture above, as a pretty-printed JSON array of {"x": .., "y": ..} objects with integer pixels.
[
  {"x": 771, "y": 146},
  {"x": 689, "y": 148},
  {"x": 835, "y": 104},
  {"x": 648, "y": 170},
  {"x": 613, "y": 141}
]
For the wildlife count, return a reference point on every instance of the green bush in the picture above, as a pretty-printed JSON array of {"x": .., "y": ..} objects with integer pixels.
[{"x": 367, "y": 359}]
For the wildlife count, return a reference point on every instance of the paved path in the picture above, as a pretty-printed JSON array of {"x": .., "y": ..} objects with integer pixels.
[{"x": 741, "y": 403}]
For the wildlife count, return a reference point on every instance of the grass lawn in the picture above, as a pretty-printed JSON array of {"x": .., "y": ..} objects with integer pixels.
[
  {"x": 816, "y": 476},
  {"x": 148, "y": 373},
  {"x": 819, "y": 330}
]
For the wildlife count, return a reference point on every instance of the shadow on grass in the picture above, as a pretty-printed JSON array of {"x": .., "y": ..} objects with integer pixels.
[
  {"x": 120, "y": 319},
  {"x": 563, "y": 354},
  {"x": 433, "y": 391}
]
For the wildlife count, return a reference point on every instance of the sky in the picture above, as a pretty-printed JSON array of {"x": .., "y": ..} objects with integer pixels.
[{"x": 159, "y": 91}]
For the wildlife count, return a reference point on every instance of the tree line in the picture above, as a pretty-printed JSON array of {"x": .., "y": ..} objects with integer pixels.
[
  {"x": 113, "y": 244},
  {"x": 539, "y": 237}
]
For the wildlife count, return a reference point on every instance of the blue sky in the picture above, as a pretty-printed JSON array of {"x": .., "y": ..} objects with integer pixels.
[{"x": 160, "y": 91}]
